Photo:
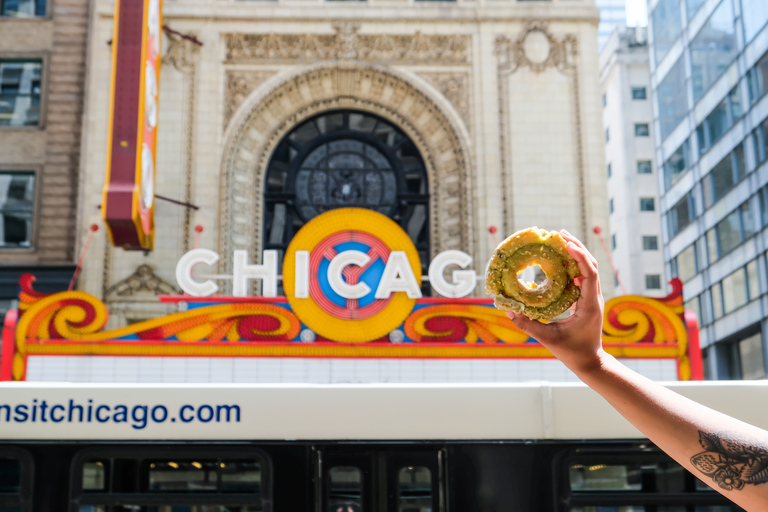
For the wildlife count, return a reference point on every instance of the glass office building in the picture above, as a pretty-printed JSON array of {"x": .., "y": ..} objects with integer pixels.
[
  {"x": 613, "y": 14},
  {"x": 709, "y": 64}
]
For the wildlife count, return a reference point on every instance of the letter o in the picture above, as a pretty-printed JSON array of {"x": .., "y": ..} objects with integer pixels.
[
  {"x": 200, "y": 416},
  {"x": 165, "y": 413}
]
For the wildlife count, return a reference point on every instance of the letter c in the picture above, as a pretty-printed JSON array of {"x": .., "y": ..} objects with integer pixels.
[{"x": 341, "y": 260}]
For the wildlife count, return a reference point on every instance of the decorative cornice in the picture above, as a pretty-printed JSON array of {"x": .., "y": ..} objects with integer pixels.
[
  {"x": 347, "y": 44},
  {"x": 537, "y": 49}
]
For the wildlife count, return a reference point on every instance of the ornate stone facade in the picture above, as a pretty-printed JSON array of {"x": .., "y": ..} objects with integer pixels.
[{"x": 500, "y": 107}]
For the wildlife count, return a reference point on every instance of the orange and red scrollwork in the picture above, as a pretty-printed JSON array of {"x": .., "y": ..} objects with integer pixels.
[{"x": 72, "y": 323}]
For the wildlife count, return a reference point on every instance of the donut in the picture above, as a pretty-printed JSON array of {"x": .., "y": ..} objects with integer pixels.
[{"x": 533, "y": 246}]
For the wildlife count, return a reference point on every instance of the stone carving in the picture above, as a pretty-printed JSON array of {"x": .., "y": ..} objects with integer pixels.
[
  {"x": 333, "y": 85},
  {"x": 142, "y": 280},
  {"x": 239, "y": 85},
  {"x": 181, "y": 53},
  {"x": 455, "y": 88},
  {"x": 537, "y": 48},
  {"x": 347, "y": 44}
]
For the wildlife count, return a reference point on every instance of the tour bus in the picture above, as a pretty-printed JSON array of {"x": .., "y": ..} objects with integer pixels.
[{"x": 521, "y": 447}]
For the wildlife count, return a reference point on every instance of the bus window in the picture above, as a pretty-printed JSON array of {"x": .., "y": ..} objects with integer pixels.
[
  {"x": 15, "y": 480},
  {"x": 93, "y": 476},
  {"x": 414, "y": 486},
  {"x": 634, "y": 478},
  {"x": 345, "y": 489},
  {"x": 172, "y": 480}
]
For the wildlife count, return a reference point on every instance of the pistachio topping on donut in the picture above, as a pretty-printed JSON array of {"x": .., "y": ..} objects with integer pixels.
[{"x": 533, "y": 246}]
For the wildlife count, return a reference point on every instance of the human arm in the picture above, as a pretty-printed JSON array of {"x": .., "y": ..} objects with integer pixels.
[{"x": 727, "y": 454}]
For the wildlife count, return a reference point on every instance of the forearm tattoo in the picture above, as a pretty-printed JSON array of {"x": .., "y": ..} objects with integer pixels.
[{"x": 732, "y": 459}]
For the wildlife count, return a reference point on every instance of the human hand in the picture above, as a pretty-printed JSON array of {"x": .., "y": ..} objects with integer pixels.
[{"x": 576, "y": 340}]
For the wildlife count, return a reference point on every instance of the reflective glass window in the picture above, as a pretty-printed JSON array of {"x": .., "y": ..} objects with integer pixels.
[
  {"x": 239, "y": 476},
  {"x": 747, "y": 224},
  {"x": 751, "y": 356},
  {"x": 10, "y": 476},
  {"x": 17, "y": 197},
  {"x": 607, "y": 134},
  {"x": 653, "y": 281},
  {"x": 672, "y": 99},
  {"x": 644, "y": 167},
  {"x": 609, "y": 170},
  {"x": 676, "y": 164},
  {"x": 650, "y": 243},
  {"x": 692, "y": 6},
  {"x": 717, "y": 301},
  {"x": 763, "y": 195},
  {"x": 94, "y": 474},
  {"x": 20, "y": 88},
  {"x": 22, "y": 8},
  {"x": 734, "y": 291},
  {"x": 656, "y": 477},
  {"x": 414, "y": 489},
  {"x": 756, "y": 18},
  {"x": 680, "y": 215},
  {"x": 719, "y": 121},
  {"x": 647, "y": 204},
  {"x": 666, "y": 26},
  {"x": 610, "y": 205},
  {"x": 345, "y": 489},
  {"x": 734, "y": 229},
  {"x": 760, "y": 137},
  {"x": 711, "y": 246},
  {"x": 758, "y": 79},
  {"x": 642, "y": 130},
  {"x": 685, "y": 263},
  {"x": 713, "y": 49},
  {"x": 753, "y": 283},
  {"x": 729, "y": 171},
  {"x": 694, "y": 304},
  {"x": 639, "y": 93}
]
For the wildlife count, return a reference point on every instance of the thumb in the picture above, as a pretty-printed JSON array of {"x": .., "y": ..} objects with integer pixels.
[{"x": 532, "y": 328}]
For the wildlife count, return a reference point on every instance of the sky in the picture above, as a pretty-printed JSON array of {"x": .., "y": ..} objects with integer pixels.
[{"x": 636, "y": 13}]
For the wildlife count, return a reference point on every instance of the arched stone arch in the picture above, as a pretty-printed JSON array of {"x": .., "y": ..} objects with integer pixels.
[{"x": 279, "y": 105}]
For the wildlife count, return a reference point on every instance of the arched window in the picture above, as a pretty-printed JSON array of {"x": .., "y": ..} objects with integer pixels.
[{"x": 345, "y": 158}]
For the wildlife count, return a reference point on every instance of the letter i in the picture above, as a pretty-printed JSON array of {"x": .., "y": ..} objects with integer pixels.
[
  {"x": 90, "y": 410},
  {"x": 34, "y": 409},
  {"x": 301, "y": 286}
]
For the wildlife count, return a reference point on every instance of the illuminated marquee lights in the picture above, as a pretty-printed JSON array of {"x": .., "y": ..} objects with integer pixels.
[
  {"x": 350, "y": 274},
  {"x": 128, "y": 198}
]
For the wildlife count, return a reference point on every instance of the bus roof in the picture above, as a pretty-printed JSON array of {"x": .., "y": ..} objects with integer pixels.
[{"x": 386, "y": 412}]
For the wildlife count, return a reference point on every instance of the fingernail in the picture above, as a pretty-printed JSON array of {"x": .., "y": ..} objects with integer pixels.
[{"x": 511, "y": 315}]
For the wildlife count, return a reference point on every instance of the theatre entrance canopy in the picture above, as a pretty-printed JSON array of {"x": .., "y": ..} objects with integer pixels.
[{"x": 349, "y": 299}]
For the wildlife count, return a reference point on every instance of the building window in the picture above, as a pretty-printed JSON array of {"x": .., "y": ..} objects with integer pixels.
[
  {"x": 757, "y": 78},
  {"x": 609, "y": 170},
  {"x": 760, "y": 137},
  {"x": 717, "y": 300},
  {"x": 22, "y": 8},
  {"x": 20, "y": 86},
  {"x": 741, "y": 359},
  {"x": 677, "y": 164},
  {"x": 719, "y": 121},
  {"x": 753, "y": 282},
  {"x": 727, "y": 173},
  {"x": 607, "y": 134},
  {"x": 667, "y": 26},
  {"x": 650, "y": 243},
  {"x": 692, "y": 7},
  {"x": 644, "y": 167},
  {"x": 605, "y": 100},
  {"x": 647, "y": 204},
  {"x": 694, "y": 304},
  {"x": 610, "y": 205},
  {"x": 730, "y": 232},
  {"x": 653, "y": 281},
  {"x": 345, "y": 158},
  {"x": 713, "y": 49},
  {"x": 638, "y": 93},
  {"x": 642, "y": 130},
  {"x": 17, "y": 198},
  {"x": 734, "y": 291},
  {"x": 684, "y": 264},
  {"x": 613, "y": 242},
  {"x": 672, "y": 98},
  {"x": 763, "y": 195},
  {"x": 680, "y": 215},
  {"x": 756, "y": 18}
]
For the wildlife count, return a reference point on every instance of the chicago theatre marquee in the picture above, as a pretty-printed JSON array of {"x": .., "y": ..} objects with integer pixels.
[{"x": 440, "y": 119}]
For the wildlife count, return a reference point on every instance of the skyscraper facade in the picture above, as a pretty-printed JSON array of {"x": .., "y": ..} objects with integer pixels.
[
  {"x": 709, "y": 66},
  {"x": 613, "y": 15},
  {"x": 633, "y": 194}
]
